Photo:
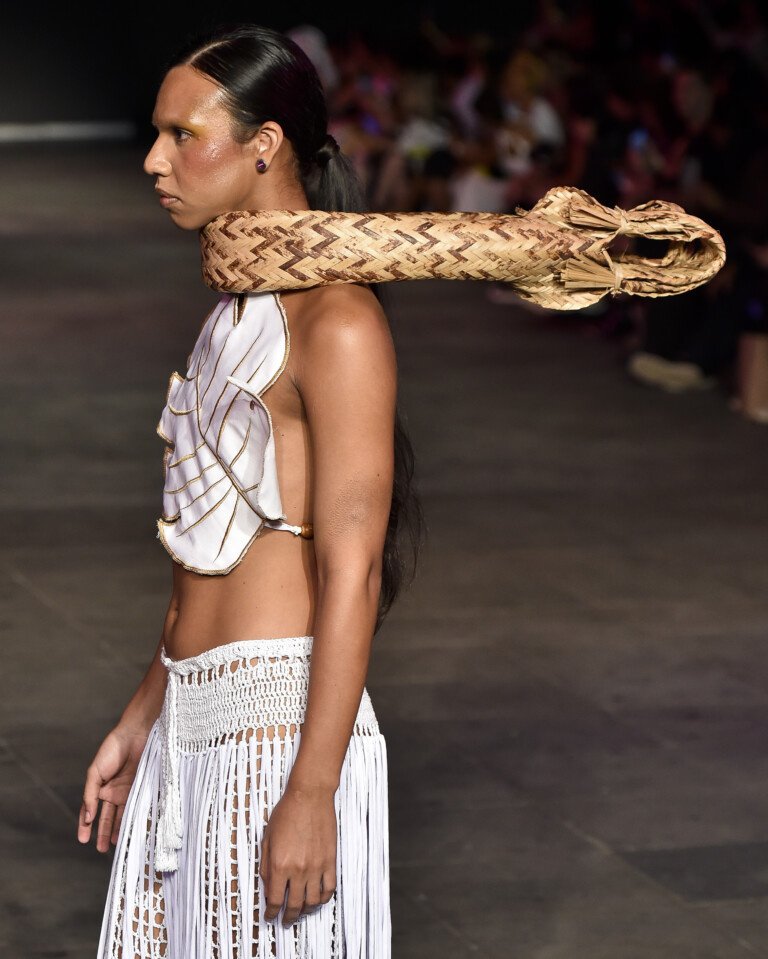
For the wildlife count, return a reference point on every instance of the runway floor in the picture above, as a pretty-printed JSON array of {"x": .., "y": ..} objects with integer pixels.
[{"x": 584, "y": 772}]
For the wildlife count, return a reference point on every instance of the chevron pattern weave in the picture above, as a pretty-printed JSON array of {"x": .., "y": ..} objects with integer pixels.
[{"x": 555, "y": 254}]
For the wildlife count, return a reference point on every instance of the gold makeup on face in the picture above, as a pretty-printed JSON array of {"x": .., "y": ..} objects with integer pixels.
[
  {"x": 205, "y": 166},
  {"x": 190, "y": 100},
  {"x": 192, "y": 126},
  {"x": 175, "y": 125}
]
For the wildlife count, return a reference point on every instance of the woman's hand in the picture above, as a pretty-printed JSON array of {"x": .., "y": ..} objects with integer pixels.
[
  {"x": 298, "y": 853},
  {"x": 109, "y": 779}
]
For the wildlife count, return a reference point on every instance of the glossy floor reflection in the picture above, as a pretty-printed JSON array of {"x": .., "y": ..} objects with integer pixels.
[{"x": 575, "y": 689}]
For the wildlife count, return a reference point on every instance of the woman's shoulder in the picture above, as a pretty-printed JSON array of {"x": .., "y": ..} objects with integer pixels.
[
  {"x": 335, "y": 299},
  {"x": 320, "y": 311},
  {"x": 335, "y": 321}
]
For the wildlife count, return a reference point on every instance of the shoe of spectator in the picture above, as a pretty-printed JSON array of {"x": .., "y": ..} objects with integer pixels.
[
  {"x": 751, "y": 393},
  {"x": 670, "y": 375},
  {"x": 756, "y": 414}
]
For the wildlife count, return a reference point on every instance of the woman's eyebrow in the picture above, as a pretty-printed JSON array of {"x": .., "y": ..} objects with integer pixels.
[
  {"x": 190, "y": 124},
  {"x": 169, "y": 123}
]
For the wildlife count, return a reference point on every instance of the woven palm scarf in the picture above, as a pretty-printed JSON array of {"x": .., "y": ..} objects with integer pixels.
[{"x": 555, "y": 254}]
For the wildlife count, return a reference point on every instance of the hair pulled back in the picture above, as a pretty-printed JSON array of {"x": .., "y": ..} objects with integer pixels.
[{"x": 265, "y": 75}]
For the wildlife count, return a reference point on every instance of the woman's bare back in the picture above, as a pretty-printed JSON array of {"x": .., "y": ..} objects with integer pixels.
[{"x": 272, "y": 591}]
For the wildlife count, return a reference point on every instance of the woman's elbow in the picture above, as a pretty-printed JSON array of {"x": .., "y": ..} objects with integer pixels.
[{"x": 362, "y": 572}]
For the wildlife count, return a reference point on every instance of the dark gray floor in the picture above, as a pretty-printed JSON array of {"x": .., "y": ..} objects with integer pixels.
[{"x": 575, "y": 690}]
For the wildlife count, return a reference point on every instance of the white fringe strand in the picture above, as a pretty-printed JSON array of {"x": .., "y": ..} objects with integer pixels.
[{"x": 217, "y": 790}]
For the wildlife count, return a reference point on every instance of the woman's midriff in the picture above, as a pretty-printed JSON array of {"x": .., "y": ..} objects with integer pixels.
[{"x": 270, "y": 593}]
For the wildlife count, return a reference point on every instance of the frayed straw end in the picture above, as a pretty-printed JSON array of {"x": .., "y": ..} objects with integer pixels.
[{"x": 583, "y": 272}]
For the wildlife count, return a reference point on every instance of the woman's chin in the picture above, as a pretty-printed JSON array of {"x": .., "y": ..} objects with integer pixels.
[{"x": 186, "y": 219}]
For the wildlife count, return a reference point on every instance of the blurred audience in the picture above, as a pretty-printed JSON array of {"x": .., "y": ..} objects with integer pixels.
[{"x": 631, "y": 102}]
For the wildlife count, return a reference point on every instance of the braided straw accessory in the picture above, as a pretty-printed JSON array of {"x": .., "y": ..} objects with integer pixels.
[{"x": 554, "y": 254}]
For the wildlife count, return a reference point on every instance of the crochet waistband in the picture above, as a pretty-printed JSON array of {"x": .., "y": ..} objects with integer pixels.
[
  {"x": 213, "y": 696},
  {"x": 251, "y": 684},
  {"x": 258, "y": 649}
]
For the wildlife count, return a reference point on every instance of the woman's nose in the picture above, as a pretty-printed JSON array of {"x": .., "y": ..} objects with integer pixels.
[{"x": 155, "y": 163}]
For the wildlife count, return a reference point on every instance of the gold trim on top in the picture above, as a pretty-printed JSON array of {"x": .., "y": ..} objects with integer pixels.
[
  {"x": 200, "y": 495},
  {"x": 206, "y": 514},
  {"x": 176, "y": 377},
  {"x": 257, "y": 397},
  {"x": 226, "y": 531},
  {"x": 187, "y": 456},
  {"x": 168, "y": 388},
  {"x": 194, "y": 479},
  {"x": 200, "y": 399},
  {"x": 224, "y": 390},
  {"x": 161, "y": 529},
  {"x": 225, "y": 302},
  {"x": 287, "y": 351},
  {"x": 238, "y": 390},
  {"x": 245, "y": 443}
]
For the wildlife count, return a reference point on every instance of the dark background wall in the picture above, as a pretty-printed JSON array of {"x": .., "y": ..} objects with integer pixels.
[{"x": 104, "y": 62}]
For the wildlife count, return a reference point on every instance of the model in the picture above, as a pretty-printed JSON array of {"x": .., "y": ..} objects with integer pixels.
[
  {"x": 245, "y": 785},
  {"x": 246, "y": 793}
]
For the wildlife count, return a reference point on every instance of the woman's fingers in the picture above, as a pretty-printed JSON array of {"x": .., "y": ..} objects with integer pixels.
[
  {"x": 304, "y": 895},
  {"x": 290, "y": 885},
  {"x": 90, "y": 805},
  {"x": 116, "y": 827},
  {"x": 297, "y": 886},
  {"x": 106, "y": 820},
  {"x": 328, "y": 884},
  {"x": 108, "y": 827},
  {"x": 313, "y": 896},
  {"x": 275, "y": 893},
  {"x": 84, "y": 823},
  {"x": 264, "y": 860}
]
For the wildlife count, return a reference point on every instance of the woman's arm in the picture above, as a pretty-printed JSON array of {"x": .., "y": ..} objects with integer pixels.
[
  {"x": 112, "y": 770},
  {"x": 348, "y": 385},
  {"x": 144, "y": 706},
  {"x": 346, "y": 374}
]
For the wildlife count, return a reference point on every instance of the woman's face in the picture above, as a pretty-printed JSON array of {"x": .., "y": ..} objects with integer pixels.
[{"x": 195, "y": 159}]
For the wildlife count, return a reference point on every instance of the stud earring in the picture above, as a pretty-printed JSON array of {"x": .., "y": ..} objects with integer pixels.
[{"x": 261, "y": 165}]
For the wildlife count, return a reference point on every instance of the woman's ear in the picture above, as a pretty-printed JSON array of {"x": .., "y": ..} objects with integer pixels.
[{"x": 266, "y": 141}]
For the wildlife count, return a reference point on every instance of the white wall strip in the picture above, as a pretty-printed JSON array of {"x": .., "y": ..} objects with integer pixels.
[{"x": 67, "y": 130}]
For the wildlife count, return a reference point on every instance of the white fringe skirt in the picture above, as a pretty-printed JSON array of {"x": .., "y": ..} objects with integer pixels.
[{"x": 185, "y": 878}]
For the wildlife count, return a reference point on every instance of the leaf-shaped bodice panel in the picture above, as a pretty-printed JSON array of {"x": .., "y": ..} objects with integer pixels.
[{"x": 219, "y": 465}]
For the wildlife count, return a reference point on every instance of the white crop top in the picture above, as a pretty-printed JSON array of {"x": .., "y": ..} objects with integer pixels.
[{"x": 219, "y": 465}]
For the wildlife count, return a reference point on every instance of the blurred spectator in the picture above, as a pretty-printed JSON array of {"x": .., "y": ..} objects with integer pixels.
[
  {"x": 719, "y": 165},
  {"x": 631, "y": 102},
  {"x": 313, "y": 42}
]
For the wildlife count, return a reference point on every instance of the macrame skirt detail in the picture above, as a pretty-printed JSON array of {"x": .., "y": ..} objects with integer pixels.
[{"x": 185, "y": 878}]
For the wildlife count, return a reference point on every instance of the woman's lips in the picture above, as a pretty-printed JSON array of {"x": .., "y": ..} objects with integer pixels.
[{"x": 166, "y": 199}]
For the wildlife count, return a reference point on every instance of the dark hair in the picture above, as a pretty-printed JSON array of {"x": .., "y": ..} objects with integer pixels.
[{"x": 266, "y": 75}]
